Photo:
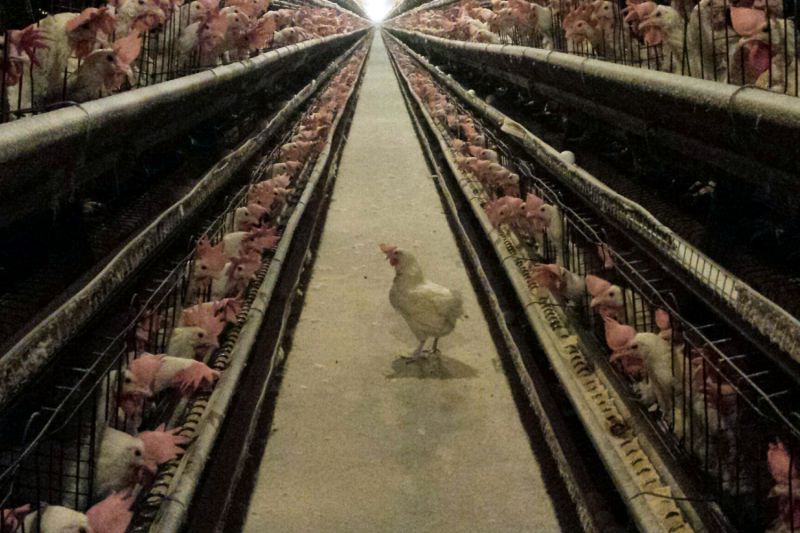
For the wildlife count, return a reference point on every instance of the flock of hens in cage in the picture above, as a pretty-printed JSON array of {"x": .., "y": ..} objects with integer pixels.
[
  {"x": 77, "y": 58},
  {"x": 97, "y": 47},
  {"x": 755, "y": 44},
  {"x": 700, "y": 402}
]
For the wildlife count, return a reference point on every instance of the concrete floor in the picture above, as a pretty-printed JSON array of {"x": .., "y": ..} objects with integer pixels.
[{"x": 362, "y": 441}]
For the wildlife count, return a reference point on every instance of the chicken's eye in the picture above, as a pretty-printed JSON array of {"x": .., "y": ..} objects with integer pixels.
[
  {"x": 635, "y": 346},
  {"x": 141, "y": 2},
  {"x": 658, "y": 14},
  {"x": 128, "y": 380},
  {"x": 109, "y": 58},
  {"x": 611, "y": 294},
  {"x": 200, "y": 335},
  {"x": 137, "y": 453},
  {"x": 203, "y": 267}
]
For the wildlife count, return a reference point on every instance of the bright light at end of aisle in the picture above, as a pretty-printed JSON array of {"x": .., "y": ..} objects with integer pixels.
[{"x": 376, "y": 10}]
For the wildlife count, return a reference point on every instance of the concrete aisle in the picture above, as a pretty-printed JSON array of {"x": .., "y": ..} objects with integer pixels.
[{"x": 363, "y": 442}]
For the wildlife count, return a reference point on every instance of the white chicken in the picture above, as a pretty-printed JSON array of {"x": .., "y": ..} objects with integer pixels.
[
  {"x": 430, "y": 310},
  {"x": 190, "y": 342},
  {"x": 120, "y": 460},
  {"x": 56, "y": 519}
]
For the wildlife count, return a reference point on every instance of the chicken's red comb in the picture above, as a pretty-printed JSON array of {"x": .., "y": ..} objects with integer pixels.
[
  {"x": 662, "y": 319},
  {"x": 145, "y": 367},
  {"x": 533, "y": 202},
  {"x": 111, "y": 515},
  {"x": 200, "y": 316},
  {"x": 547, "y": 276},
  {"x": 10, "y": 518},
  {"x": 214, "y": 256},
  {"x": 780, "y": 462},
  {"x": 748, "y": 21},
  {"x": 596, "y": 286},
  {"x": 260, "y": 34},
  {"x": 604, "y": 252},
  {"x": 161, "y": 445},
  {"x": 193, "y": 377},
  {"x": 101, "y": 19},
  {"x": 128, "y": 48},
  {"x": 618, "y": 336}
]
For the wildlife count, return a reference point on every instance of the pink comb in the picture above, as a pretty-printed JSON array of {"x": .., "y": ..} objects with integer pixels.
[
  {"x": 201, "y": 316},
  {"x": 128, "y": 48},
  {"x": 605, "y": 256},
  {"x": 257, "y": 211},
  {"x": 29, "y": 40},
  {"x": 101, "y": 19},
  {"x": 161, "y": 446},
  {"x": 663, "y": 323},
  {"x": 780, "y": 462},
  {"x": 111, "y": 515},
  {"x": 261, "y": 239},
  {"x": 532, "y": 204},
  {"x": 231, "y": 309},
  {"x": 261, "y": 33},
  {"x": 548, "y": 276},
  {"x": 145, "y": 367},
  {"x": 212, "y": 256},
  {"x": 596, "y": 286},
  {"x": 282, "y": 180},
  {"x": 748, "y": 22},
  {"x": 195, "y": 376},
  {"x": 387, "y": 248},
  {"x": 11, "y": 517},
  {"x": 618, "y": 336},
  {"x": 243, "y": 269}
]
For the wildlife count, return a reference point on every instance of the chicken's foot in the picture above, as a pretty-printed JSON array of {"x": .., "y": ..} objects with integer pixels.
[{"x": 418, "y": 354}]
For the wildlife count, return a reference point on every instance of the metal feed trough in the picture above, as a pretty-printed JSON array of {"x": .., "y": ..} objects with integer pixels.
[
  {"x": 55, "y": 461},
  {"x": 728, "y": 404}
]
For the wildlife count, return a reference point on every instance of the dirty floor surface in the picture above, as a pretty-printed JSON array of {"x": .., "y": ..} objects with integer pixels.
[{"x": 363, "y": 441}]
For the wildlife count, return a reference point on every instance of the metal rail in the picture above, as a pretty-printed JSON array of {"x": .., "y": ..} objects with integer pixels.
[
  {"x": 45, "y": 159},
  {"x": 727, "y": 465},
  {"x": 693, "y": 116},
  {"x": 67, "y": 434},
  {"x": 39, "y": 346},
  {"x": 717, "y": 285}
]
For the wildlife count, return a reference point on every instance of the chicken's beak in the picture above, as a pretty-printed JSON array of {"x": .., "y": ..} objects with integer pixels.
[{"x": 596, "y": 301}]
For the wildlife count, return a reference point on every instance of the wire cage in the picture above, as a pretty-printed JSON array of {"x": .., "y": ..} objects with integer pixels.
[
  {"x": 725, "y": 411},
  {"x": 171, "y": 46},
  {"x": 737, "y": 42},
  {"x": 55, "y": 460}
]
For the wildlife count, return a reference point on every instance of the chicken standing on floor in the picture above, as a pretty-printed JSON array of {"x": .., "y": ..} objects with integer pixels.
[{"x": 430, "y": 310}]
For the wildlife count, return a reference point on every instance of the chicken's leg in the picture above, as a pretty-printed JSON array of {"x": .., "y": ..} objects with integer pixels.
[
  {"x": 435, "y": 346},
  {"x": 417, "y": 355}
]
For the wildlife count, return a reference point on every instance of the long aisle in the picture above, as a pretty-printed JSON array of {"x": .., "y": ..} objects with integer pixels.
[{"x": 363, "y": 441}]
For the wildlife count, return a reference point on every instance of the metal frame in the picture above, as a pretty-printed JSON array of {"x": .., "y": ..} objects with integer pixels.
[{"x": 728, "y": 464}]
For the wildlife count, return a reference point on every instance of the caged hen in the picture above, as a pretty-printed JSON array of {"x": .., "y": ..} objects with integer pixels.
[{"x": 430, "y": 310}]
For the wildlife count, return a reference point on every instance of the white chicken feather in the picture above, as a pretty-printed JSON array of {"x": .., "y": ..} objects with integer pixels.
[{"x": 429, "y": 309}]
